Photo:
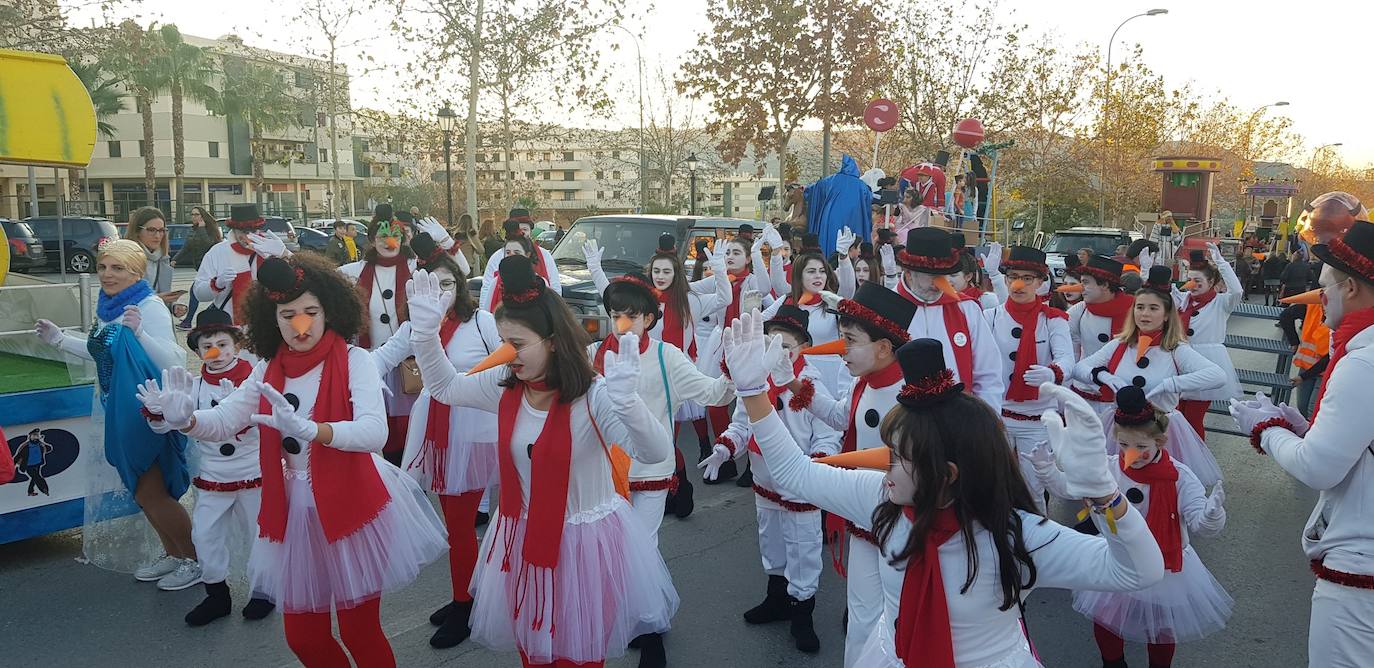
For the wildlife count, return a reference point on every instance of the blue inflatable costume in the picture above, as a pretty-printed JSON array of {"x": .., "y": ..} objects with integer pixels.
[{"x": 838, "y": 201}]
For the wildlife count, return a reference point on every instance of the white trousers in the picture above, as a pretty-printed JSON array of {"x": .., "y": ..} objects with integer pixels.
[
  {"x": 1341, "y": 634},
  {"x": 1025, "y": 435},
  {"x": 790, "y": 546},
  {"x": 648, "y": 507},
  {"x": 212, "y": 525},
  {"x": 865, "y": 597}
]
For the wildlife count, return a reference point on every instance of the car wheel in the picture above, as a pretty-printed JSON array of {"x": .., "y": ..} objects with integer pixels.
[{"x": 80, "y": 262}]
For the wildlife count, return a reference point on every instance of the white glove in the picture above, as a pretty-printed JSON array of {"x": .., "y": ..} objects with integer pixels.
[
  {"x": 782, "y": 373},
  {"x": 993, "y": 260},
  {"x": 1215, "y": 254},
  {"x": 592, "y": 252},
  {"x": 48, "y": 332},
  {"x": 711, "y": 465},
  {"x": 223, "y": 280},
  {"x": 1079, "y": 444},
  {"x": 284, "y": 417},
  {"x": 845, "y": 241},
  {"x": 427, "y": 303},
  {"x": 772, "y": 237},
  {"x": 749, "y": 300},
  {"x": 132, "y": 318},
  {"x": 171, "y": 400},
  {"x": 1041, "y": 459},
  {"x": 1248, "y": 413},
  {"x": 747, "y": 356},
  {"x": 267, "y": 244},
  {"x": 1111, "y": 380},
  {"x": 160, "y": 427},
  {"x": 436, "y": 232},
  {"x": 1216, "y": 503},
  {"x": 1164, "y": 395},
  {"x": 889, "y": 260},
  {"x": 715, "y": 260},
  {"x": 759, "y": 241},
  {"x": 1038, "y": 375},
  {"x": 622, "y": 371},
  {"x": 1296, "y": 418},
  {"x": 1147, "y": 260},
  {"x": 226, "y": 387},
  {"x": 830, "y": 299}
]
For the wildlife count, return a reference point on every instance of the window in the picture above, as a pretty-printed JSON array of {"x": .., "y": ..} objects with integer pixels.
[
  {"x": 393, "y": 146},
  {"x": 567, "y": 156},
  {"x": 615, "y": 175},
  {"x": 115, "y": 151},
  {"x": 529, "y": 155},
  {"x": 548, "y": 175},
  {"x": 320, "y": 119},
  {"x": 481, "y": 157},
  {"x": 569, "y": 176},
  {"x": 615, "y": 154},
  {"x": 142, "y": 148},
  {"x": 601, "y": 194},
  {"x": 600, "y": 155},
  {"x": 214, "y": 149},
  {"x": 324, "y": 155},
  {"x": 496, "y": 157},
  {"x": 302, "y": 79},
  {"x": 546, "y": 156},
  {"x": 568, "y": 195},
  {"x": 362, "y": 145},
  {"x": 529, "y": 175},
  {"x": 600, "y": 174},
  {"x": 615, "y": 195}
]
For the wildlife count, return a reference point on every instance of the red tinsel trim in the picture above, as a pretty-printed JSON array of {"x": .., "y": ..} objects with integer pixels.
[
  {"x": 1019, "y": 416},
  {"x": 1259, "y": 431},
  {"x": 790, "y": 506},
  {"x": 634, "y": 280},
  {"x": 245, "y": 224},
  {"x": 929, "y": 388},
  {"x": 1101, "y": 274},
  {"x": 858, "y": 311},
  {"x": 919, "y": 262},
  {"x": 524, "y": 296},
  {"x": 790, "y": 322},
  {"x": 725, "y": 441},
  {"x": 208, "y": 486},
  {"x": 724, "y": 369},
  {"x": 802, "y": 398},
  {"x": 1133, "y": 419},
  {"x": 1354, "y": 580},
  {"x": 1026, "y": 265},
  {"x": 865, "y": 536},
  {"x": 149, "y": 415},
  {"x": 669, "y": 484},
  {"x": 277, "y": 297},
  {"x": 1352, "y": 258},
  {"x": 1058, "y": 374},
  {"x": 1090, "y": 396}
]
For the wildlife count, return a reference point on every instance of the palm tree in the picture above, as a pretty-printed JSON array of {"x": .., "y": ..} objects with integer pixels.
[
  {"x": 135, "y": 55},
  {"x": 106, "y": 97},
  {"x": 256, "y": 95},
  {"x": 187, "y": 72}
]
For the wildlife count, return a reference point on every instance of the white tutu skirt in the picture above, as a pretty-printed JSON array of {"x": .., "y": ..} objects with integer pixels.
[
  {"x": 307, "y": 573},
  {"x": 689, "y": 411},
  {"x": 610, "y": 585},
  {"x": 880, "y": 651},
  {"x": 470, "y": 460},
  {"x": 1216, "y": 354},
  {"x": 1184, "y": 446},
  {"x": 1184, "y": 606}
]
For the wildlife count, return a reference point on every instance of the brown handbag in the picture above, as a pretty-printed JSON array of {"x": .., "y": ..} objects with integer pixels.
[{"x": 411, "y": 380}]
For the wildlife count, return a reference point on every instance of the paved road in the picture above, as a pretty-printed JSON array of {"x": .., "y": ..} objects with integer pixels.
[{"x": 57, "y": 612}]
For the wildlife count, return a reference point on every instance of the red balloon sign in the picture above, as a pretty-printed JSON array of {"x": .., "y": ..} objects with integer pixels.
[{"x": 881, "y": 115}]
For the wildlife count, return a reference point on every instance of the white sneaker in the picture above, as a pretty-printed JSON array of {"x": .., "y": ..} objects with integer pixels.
[
  {"x": 186, "y": 575},
  {"x": 158, "y": 569}
]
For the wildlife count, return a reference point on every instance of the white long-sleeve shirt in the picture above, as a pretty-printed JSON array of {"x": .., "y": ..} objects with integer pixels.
[
  {"x": 155, "y": 335},
  {"x": 231, "y": 460},
  {"x": 1336, "y": 457},
  {"x": 705, "y": 298},
  {"x": 222, "y": 256},
  {"x": 982, "y": 634},
  {"x": 989, "y": 381},
  {"x": 1053, "y": 346},
  {"x": 1183, "y": 369}
]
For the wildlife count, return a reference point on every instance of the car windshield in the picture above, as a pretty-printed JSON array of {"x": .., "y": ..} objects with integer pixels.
[
  {"x": 624, "y": 242},
  {"x": 1070, "y": 243}
]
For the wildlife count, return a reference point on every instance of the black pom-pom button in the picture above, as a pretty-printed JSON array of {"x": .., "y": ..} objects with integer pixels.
[
  {"x": 213, "y": 403},
  {"x": 871, "y": 417},
  {"x": 778, "y": 405},
  {"x": 1016, "y": 332},
  {"x": 1143, "y": 362},
  {"x": 226, "y": 449},
  {"x": 294, "y": 400},
  {"x": 529, "y": 451},
  {"x": 1103, "y": 337},
  {"x": 1138, "y": 381},
  {"x": 385, "y": 318},
  {"x": 291, "y": 445},
  {"x": 1012, "y": 355},
  {"x": 1134, "y": 495},
  {"x": 387, "y": 294},
  {"x": 1190, "y": 331}
]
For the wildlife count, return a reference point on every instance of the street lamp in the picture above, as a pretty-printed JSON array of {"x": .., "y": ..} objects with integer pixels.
[
  {"x": 643, "y": 159},
  {"x": 447, "y": 120},
  {"x": 1106, "y": 105},
  {"x": 692, "y": 169}
]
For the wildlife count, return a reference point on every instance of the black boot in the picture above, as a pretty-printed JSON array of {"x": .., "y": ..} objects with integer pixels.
[
  {"x": 258, "y": 608},
  {"x": 704, "y": 450},
  {"x": 482, "y": 518},
  {"x": 728, "y": 471},
  {"x": 802, "y": 630},
  {"x": 217, "y": 604},
  {"x": 455, "y": 629},
  {"x": 651, "y": 652},
  {"x": 776, "y": 607},
  {"x": 437, "y": 619},
  {"x": 747, "y": 478},
  {"x": 683, "y": 501},
  {"x": 1115, "y": 663}
]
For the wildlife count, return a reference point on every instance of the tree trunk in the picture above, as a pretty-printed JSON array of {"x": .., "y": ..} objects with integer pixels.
[
  {"x": 333, "y": 138},
  {"x": 470, "y": 135},
  {"x": 255, "y": 140},
  {"x": 145, "y": 109},
  {"x": 178, "y": 154},
  {"x": 507, "y": 143},
  {"x": 780, "y": 145}
]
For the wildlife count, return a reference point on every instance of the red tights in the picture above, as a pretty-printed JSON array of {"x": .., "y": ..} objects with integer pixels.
[
  {"x": 559, "y": 663},
  {"x": 1195, "y": 411},
  {"x": 720, "y": 419},
  {"x": 1113, "y": 648},
  {"x": 310, "y": 638},
  {"x": 460, "y": 514}
]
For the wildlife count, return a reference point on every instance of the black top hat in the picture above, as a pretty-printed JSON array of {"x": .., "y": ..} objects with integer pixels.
[
  {"x": 792, "y": 318},
  {"x": 425, "y": 249},
  {"x": 630, "y": 282},
  {"x": 957, "y": 241},
  {"x": 405, "y": 217},
  {"x": 520, "y": 216},
  {"x": 1071, "y": 264},
  {"x": 929, "y": 251},
  {"x": 928, "y": 380},
  {"x": 1351, "y": 254},
  {"x": 383, "y": 211},
  {"x": 1025, "y": 258},
  {"x": 1138, "y": 245},
  {"x": 210, "y": 321},
  {"x": 882, "y": 309},
  {"x": 785, "y": 231},
  {"x": 667, "y": 244},
  {"x": 281, "y": 280},
  {"x": 1132, "y": 408},
  {"x": 1197, "y": 257},
  {"x": 245, "y": 217},
  {"x": 746, "y": 228},
  {"x": 811, "y": 243},
  {"x": 865, "y": 250},
  {"x": 886, "y": 235},
  {"x": 519, "y": 284},
  {"x": 1102, "y": 268},
  {"x": 1159, "y": 280}
]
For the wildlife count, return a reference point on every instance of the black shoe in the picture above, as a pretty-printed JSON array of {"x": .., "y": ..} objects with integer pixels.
[
  {"x": 651, "y": 652},
  {"x": 728, "y": 471},
  {"x": 217, "y": 604},
  {"x": 844, "y": 622},
  {"x": 776, "y": 606},
  {"x": 704, "y": 450},
  {"x": 1115, "y": 663},
  {"x": 746, "y": 479},
  {"x": 258, "y": 608},
  {"x": 455, "y": 629},
  {"x": 684, "y": 501},
  {"x": 802, "y": 630},
  {"x": 437, "y": 619},
  {"x": 482, "y": 518}
]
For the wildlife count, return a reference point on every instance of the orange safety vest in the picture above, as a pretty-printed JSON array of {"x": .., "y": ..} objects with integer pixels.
[{"x": 1316, "y": 338}]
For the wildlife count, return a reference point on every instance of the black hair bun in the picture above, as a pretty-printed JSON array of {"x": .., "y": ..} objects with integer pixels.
[
  {"x": 1131, "y": 399},
  {"x": 667, "y": 243},
  {"x": 423, "y": 245},
  {"x": 277, "y": 275},
  {"x": 517, "y": 276}
]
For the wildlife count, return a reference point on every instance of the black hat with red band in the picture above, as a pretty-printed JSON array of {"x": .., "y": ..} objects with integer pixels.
[
  {"x": 1102, "y": 268},
  {"x": 881, "y": 309},
  {"x": 1353, "y": 253},
  {"x": 930, "y": 251},
  {"x": 1025, "y": 258},
  {"x": 928, "y": 380},
  {"x": 245, "y": 217},
  {"x": 791, "y": 318}
]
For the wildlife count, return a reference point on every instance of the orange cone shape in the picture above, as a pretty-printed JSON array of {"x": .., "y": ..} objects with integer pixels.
[
  {"x": 1069, "y": 288},
  {"x": 943, "y": 283},
  {"x": 835, "y": 347},
  {"x": 301, "y": 322},
  {"x": 623, "y": 324},
  {"x": 1142, "y": 345},
  {"x": 393, "y": 243},
  {"x": 1017, "y": 284},
  {"x": 1129, "y": 456},
  {"x": 731, "y": 277},
  {"x": 877, "y": 459},
  {"x": 1311, "y": 298},
  {"x": 504, "y": 354},
  {"x": 213, "y": 353},
  {"x": 809, "y": 298},
  {"x": 1190, "y": 284}
]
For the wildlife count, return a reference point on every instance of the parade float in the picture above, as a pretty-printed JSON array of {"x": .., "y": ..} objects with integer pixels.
[{"x": 46, "y": 122}]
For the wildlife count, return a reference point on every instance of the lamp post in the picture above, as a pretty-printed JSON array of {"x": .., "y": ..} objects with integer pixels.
[
  {"x": 692, "y": 197},
  {"x": 1106, "y": 105},
  {"x": 643, "y": 164},
  {"x": 447, "y": 119},
  {"x": 1250, "y": 125}
]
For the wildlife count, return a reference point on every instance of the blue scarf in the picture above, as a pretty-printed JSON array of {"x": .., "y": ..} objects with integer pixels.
[
  {"x": 131, "y": 447},
  {"x": 109, "y": 309}
]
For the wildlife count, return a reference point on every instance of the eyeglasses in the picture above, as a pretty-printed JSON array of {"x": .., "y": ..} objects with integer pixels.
[
  {"x": 155, "y": 230},
  {"x": 448, "y": 284}
]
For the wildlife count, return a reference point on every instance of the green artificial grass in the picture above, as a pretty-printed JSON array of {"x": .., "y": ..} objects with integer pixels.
[{"x": 19, "y": 373}]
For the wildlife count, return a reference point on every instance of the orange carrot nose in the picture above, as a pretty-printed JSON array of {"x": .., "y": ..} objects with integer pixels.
[
  {"x": 1142, "y": 344},
  {"x": 878, "y": 459},
  {"x": 623, "y": 324},
  {"x": 809, "y": 298},
  {"x": 1190, "y": 284},
  {"x": 731, "y": 277},
  {"x": 835, "y": 347},
  {"x": 1018, "y": 284},
  {"x": 392, "y": 243},
  {"x": 504, "y": 354},
  {"x": 948, "y": 290},
  {"x": 1069, "y": 288},
  {"x": 301, "y": 322},
  {"x": 211, "y": 354},
  {"x": 1129, "y": 456},
  {"x": 1310, "y": 298}
]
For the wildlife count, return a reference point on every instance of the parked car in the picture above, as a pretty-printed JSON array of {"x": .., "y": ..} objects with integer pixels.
[
  {"x": 81, "y": 237},
  {"x": 547, "y": 239},
  {"x": 1102, "y": 241},
  {"x": 312, "y": 240},
  {"x": 176, "y": 237},
  {"x": 26, "y": 250},
  {"x": 279, "y": 224}
]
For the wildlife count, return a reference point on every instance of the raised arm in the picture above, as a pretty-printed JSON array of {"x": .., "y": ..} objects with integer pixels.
[
  {"x": 627, "y": 421},
  {"x": 232, "y": 414},
  {"x": 427, "y": 308},
  {"x": 689, "y": 384},
  {"x": 849, "y": 494},
  {"x": 844, "y": 274},
  {"x": 1234, "y": 289},
  {"x": 1127, "y": 559},
  {"x": 592, "y": 252}
]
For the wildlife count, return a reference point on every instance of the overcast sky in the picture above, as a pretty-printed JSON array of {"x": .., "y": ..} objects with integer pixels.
[{"x": 1254, "y": 51}]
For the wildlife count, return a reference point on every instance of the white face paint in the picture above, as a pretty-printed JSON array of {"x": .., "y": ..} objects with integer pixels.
[
  {"x": 922, "y": 285},
  {"x": 661, "y": 272},
  {"x": 900, "y": 482},
  {"x": 861, "y": 273},
  {"x": 813, "y": 277},
  {"x": 1333, "y": 297}
]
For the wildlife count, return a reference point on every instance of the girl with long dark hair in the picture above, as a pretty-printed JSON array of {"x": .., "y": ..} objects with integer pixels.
[
  {"x": 205, "y": 233},
  {"x": 1203, "y": 313},
  {"x": 811, "y": 276}
]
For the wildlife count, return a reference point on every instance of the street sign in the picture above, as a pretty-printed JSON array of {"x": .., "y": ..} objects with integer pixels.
[{"x": 881, "y": 115}]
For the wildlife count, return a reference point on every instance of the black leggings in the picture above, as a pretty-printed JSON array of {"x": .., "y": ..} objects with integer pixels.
[{"x": 36, "y": 478}]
